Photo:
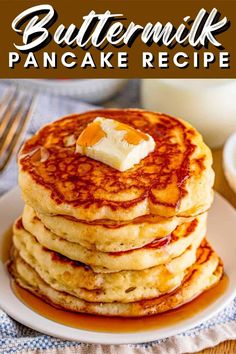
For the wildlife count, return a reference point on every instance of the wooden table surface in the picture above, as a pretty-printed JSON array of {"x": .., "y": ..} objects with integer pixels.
[
  {"x": 221, "y": 186},
  {"x": 228, "y": 347}
]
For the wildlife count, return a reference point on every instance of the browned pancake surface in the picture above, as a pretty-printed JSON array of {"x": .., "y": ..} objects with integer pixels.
[{"x": 78, "y": 180}]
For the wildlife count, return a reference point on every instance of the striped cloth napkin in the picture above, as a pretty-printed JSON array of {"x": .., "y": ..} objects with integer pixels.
[{"x": 16, "y": 338}]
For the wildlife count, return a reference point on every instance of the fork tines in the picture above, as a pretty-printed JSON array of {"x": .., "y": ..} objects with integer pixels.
[{"x": 15, "y": 111}]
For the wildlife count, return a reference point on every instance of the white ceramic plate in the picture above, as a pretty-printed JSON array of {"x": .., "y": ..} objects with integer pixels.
[{"x": 221, "y": 233}]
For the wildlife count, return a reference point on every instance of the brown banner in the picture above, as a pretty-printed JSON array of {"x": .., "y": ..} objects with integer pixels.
[{"x": 105, "y": 39}]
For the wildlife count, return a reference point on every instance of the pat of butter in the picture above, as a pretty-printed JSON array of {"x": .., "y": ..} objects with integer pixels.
[{"x": 116, "y": 144}]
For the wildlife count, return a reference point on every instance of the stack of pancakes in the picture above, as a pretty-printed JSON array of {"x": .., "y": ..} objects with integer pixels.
[{"x": 95, "y": 240}]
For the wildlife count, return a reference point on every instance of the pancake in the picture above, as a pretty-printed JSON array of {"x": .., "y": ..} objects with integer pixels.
[
  {"x": 175, "y": 179},
  {"x": 205, "y": 273},
  {"x": 80, "y": 280},
  {"x": 153, "y": 254},
  {"x": 109, "y": 235}
]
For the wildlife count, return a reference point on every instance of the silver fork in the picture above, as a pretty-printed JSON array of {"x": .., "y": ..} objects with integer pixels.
[{"x": 15, "y": 111}]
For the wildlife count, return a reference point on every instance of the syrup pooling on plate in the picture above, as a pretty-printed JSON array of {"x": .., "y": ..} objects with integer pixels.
[{"x": 123, "y": 325}]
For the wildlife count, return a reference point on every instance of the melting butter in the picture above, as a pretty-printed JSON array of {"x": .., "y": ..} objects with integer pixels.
[{"x": 116, "y": 144}]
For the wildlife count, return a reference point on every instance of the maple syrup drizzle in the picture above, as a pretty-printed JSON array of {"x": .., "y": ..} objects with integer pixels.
[
  {"x": 91, "y": 135},
  {"x": 61, "y": 159},
  {"x": 157, "y": 243},
  {"x": 112, "y": 324},
  {"x": 132, "y": 136}
]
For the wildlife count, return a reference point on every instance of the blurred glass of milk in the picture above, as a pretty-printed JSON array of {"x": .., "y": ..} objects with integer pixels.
[{"x": 208, "y": 104}]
